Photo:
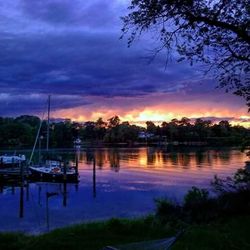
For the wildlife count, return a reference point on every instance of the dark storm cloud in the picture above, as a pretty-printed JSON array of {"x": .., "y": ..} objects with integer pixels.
[
  {"x": 78, "y": 63},
  {"x": 71, "y": 49},
  {"x": 58, "y": 12},
  {"x": 23, "y": 104},
  {"x": 77, "y": 13},
  {"x": 94, "y": 14}
]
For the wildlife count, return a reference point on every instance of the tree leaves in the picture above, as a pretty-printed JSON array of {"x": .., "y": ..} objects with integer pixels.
[{"x": 212, "y": 32}]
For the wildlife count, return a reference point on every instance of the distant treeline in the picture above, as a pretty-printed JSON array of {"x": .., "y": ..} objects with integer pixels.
[{"x": 21, "y": 132}]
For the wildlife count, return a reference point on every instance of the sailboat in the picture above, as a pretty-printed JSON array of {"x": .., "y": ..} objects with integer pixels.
[
  {"x": 53, "y": 173},
  {"x": 51, "y": 170}
]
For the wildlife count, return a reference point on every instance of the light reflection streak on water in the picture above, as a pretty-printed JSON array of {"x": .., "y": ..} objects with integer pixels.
[{"x": 126, "y": 183}]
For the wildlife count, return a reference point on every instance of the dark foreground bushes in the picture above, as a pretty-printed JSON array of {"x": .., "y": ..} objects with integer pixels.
[{"x": 232, "y": 199}]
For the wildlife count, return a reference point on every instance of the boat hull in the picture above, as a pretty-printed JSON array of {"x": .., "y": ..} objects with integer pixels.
[{"x": 36, "y": 174}]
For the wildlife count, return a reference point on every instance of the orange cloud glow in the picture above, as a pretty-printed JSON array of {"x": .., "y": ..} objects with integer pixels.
[{"x": 159, "y": 108}]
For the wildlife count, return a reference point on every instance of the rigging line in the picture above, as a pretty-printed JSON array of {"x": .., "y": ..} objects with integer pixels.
[{"x": 37, "y": 135}]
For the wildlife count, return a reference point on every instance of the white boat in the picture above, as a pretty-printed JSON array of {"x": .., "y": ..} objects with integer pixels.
[
  {"x": 11, "y": 159},
  {"x": 54, "y": 173}
]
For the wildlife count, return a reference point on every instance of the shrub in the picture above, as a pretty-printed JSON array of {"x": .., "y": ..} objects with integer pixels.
[
  {"x": 198, "y": 206},
  {"x": 195, "y": 196},
  {"x": 167, "y": 210},
  {"x": 234, "y": 203},
  {"x": 239, "y": 182}
]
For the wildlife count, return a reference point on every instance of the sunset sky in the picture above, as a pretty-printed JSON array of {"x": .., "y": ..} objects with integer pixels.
[{"x": 71, "y": 50}]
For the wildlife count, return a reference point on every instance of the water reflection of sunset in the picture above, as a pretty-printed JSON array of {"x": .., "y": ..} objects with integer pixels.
[
  {"x": 161, "y": 161},
  {"x": 125, "y": 182}
]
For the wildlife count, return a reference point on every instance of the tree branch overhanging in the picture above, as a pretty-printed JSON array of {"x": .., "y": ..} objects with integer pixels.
[{"x": 216, "y": 34}]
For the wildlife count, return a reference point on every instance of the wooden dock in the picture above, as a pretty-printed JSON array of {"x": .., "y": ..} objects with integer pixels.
[
  {"x": 14, "y": 172},
  {"x": 22, "y": 173}
]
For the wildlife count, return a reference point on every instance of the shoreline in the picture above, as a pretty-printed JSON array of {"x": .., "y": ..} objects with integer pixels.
[{"x": 125, "y": 146}]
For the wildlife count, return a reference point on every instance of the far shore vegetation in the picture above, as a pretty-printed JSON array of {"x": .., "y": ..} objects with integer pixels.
[
  {"x": 20, "y": 132},
  {"x": 205, "y": 222}
]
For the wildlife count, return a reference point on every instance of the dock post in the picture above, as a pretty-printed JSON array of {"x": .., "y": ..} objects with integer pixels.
[
  {"x": 27, "y": 190},
  {"x": 64, "y": 193},
  {"x": 21, "y": 202},
  {"x": 77, "y": 168},
  {"x": 76, "y": 164},
  {"x": 47, "y": 210},
  {"x": 94, "y": 178},
  {"x": 21, "y": 191},
  {"x": 64, "y": 171},
  {"x": 12, "y": 189},
  {"x": 21, "y": 171}
]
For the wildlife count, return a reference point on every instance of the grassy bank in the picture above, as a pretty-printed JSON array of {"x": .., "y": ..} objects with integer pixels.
[
  {"x": 221, "y": 234},
  {"x": 90, "y": 236}
]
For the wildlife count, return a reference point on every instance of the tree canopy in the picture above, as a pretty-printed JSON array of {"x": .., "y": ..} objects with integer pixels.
[
  {"x": 212, "y": 32},
  {"x": 20, "y": 132}
]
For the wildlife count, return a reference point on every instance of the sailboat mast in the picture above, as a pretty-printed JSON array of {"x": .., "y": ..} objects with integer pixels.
[{"x": 48, "y": 122}]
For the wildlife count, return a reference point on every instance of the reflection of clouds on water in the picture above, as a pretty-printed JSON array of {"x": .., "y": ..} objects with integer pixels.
[{"x": 124, "y": 183}]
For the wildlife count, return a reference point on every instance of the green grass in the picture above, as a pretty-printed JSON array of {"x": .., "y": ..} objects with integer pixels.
[
  {"x": 90, "y": 236},
  {"x": 227, "y": 234},
  {"x": 231, "y": 234}
]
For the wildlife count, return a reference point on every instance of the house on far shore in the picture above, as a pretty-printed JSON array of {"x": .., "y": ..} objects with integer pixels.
[{"x": 145, "y": 135}]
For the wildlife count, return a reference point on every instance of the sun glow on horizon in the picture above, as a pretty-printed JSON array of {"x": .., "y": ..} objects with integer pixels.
[{"x": 155, "y": 114}]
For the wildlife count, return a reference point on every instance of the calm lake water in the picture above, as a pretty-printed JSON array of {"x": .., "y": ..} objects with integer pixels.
[{"x": 125, "y": 183}]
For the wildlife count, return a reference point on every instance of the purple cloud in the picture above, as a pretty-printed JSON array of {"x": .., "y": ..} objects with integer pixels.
[{"x": 71, "y": 49}]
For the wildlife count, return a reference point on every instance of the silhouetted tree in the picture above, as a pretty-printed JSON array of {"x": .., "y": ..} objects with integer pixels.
[
  {"x": 88, "y": 131},
  {"x": 221, "y": 129},
  {"x": 151, "y": 128},
  {"x": 184, "y": 129},
  {"x": 62, "y": 135},
  {"x": 184, "y": 121},
  {"x": 113, "y": 121},
  {"x": 33, "y": 121},
  {"x": 215, "y": 33},
  {"x": 75, "y": 129},
  {"x": 127, "y": 132},
  {"x": 170, "y": 130},
  {"x": 21, "y": 132},
  {"x": 100, "y": 127},
  {"x": 202, "y": 128}
]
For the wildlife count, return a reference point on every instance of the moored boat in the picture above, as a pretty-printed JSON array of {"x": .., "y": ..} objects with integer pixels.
[
  {"x": 52, "y": 169},
  {"x": 11, "y": 160},
  {"x": 53, "y": 173}
]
